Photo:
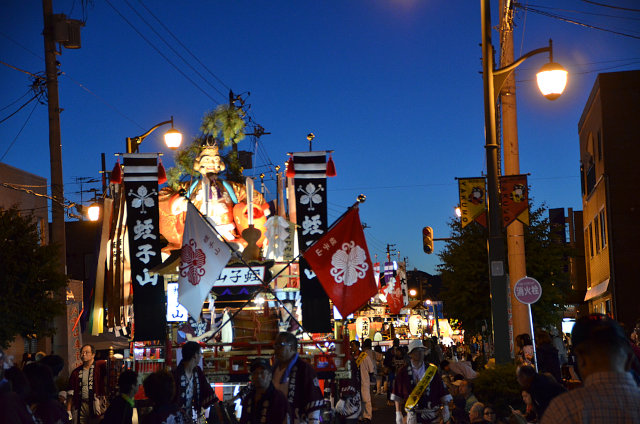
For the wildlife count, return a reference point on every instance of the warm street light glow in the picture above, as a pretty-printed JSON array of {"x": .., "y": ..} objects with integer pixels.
[
  {"x": 412, "y": 292},
  {"x": 173, "y": 138},
  {"x": 552, "y": 79},
  {"x": 94, "y": 212}
]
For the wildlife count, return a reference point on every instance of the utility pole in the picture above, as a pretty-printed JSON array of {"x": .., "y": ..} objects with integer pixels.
[
  {"x": 390, "y": 250},
  {"x": 55, "y": 145},
  {"x": 515, "y": 231}
]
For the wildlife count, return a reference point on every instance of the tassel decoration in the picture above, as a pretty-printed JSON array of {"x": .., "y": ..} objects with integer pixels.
[
  {"x": 162, "y": 175},
  {"x": 116, "y": 174},
  {"x": 291, "y": 172},
  {"x": 331, "y": 168}
]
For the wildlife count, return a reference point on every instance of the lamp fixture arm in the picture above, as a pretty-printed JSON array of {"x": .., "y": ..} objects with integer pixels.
[
  {"x": 134, "y": 142},
  {"x": 501, "y": 74}
]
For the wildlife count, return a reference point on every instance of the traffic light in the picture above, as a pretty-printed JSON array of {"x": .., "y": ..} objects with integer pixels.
[{"x": 427, "y": 240}]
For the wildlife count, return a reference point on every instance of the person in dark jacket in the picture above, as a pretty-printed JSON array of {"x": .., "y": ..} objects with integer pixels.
[
  {"x": 542, "y": 388},
  {"x": 120, "y": 409},
  {"x": 264, "y": 404},
  {"x": 547, "y": 356},
  {"x": 193, "y": 391},
  {"x": 42, "y": 397},
  {"x": 160, "y": 388}
]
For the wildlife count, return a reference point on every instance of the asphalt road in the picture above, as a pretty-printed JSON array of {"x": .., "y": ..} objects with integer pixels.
[{"x": 382, "y": 413}]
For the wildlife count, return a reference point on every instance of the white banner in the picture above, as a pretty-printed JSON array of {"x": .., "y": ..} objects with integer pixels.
[{"x": 203, "y": 258}]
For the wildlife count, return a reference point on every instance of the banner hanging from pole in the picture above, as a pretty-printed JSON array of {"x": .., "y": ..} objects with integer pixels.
[
  {"x": 473, "y": 201},
  {"x": 514, "y": 193},
  {"x": 342, "y": 263},
  {"x": 311, "y": 216},
  {"x": 141, "y": 191}
]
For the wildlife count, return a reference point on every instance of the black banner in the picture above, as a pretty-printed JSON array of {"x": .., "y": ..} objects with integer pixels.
[
  {"x": 143, "y": 223},
  {"x": 310, "y": 184}
]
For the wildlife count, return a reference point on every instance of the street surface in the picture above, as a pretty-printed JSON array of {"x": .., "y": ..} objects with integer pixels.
[{"x": 382, "y": 414}]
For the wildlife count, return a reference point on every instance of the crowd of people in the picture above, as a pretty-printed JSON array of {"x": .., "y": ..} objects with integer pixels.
[{"x": 423, "y": 382}]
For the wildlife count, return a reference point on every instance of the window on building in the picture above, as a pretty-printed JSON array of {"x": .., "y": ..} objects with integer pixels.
[
  {"x": 599, "y": 145},
  {"x": 596, "y": 232},
  {"x": 591, "y": 240},
  {"x": 603, "y": 230}
]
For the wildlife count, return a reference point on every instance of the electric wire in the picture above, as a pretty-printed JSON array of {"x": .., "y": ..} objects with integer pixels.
[
  {"x": 73, "y": 80},
  {"x": 16, "y": 101},
  {"x": 20, "y": 132},
  {"x": 173, "y": 50},
  {"x": 250, "y": 119},
  {"x": 21, "y": 45},
  {"x": 575, "y": 22},
  {"x": 23, "y": 71},
  {"x": 160, "y": 52},
  {"x": 20, "y": 108},
  {"x": 183, "y": 45},
  {"x": 106, "y": 103},
  {"x": 612, "y": 7},
  {"x": 584, "y": 12}
]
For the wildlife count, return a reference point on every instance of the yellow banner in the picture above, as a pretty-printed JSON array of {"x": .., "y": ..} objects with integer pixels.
[
  {"x": 416, "y": 393},
  {"x": 473, "y": 204}
]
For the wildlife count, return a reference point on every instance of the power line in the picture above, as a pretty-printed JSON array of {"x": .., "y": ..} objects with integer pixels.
[
  {"x": 160, "y": 52},
  {"x": 572, "y": 21},
  {"x": 183, "y": 46},
  {"x": 612, "y": 7},
  {"x": 16, "y": 101},
  {"x": 21, "y": 107},
  {"x": 172, "y": 49},
  {"x": 109, "y": 105},
  {"x": 23, "y": 71},
  {"x": 20, "y": 45},
  {"x": 585, "y": 13},
  {"x": 19, "y": 132}
]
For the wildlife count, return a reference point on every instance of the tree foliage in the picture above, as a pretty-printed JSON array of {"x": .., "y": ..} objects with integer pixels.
[
  {"x": 29, "y": 279},
  {"x": 465, "y": 273}
]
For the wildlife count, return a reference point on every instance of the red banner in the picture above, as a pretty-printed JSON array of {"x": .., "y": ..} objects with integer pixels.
[
  {"x": 342, "y": 263},
  {"x": 515, "y": 199}
]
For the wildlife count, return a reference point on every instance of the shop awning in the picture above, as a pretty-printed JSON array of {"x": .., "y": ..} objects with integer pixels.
[{"x": 597, "y": 290}]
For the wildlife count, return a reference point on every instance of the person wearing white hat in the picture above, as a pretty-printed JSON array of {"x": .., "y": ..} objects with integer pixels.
[{"x": 432, "y": 399}]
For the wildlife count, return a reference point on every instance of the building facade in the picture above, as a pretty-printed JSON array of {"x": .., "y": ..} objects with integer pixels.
[{"x": 609, "y": 132}]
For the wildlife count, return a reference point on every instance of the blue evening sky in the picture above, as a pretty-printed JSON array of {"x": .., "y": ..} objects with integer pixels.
[{"x": 392, "y": 86}]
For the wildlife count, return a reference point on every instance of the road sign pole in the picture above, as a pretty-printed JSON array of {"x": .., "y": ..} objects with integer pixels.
[{"x": 533, "y": 338}]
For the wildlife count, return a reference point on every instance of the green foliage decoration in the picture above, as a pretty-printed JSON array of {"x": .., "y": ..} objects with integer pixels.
[
  {"x": 30, "y": 283},
  {"x": 226, "y": 120}
]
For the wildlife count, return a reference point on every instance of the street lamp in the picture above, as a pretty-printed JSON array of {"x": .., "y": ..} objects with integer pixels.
[
  {"x": 493, "y": 79},
  {"x": 93, "y": 212},
  {"x": 172, "y": 138}
]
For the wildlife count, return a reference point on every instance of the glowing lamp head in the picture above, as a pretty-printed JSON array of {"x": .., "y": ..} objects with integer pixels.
[
  {"x": 173, "y": 138},
  {"x": 552, "y": 79},
  {"x": 94, "y": 212},
  {"x": 412, "y": 292}
]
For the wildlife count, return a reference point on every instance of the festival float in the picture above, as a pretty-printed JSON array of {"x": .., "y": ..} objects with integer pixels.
[{"x": 211, "y": 260}]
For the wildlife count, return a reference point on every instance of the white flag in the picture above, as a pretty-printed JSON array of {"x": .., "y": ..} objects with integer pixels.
[{"x": 203, "y": 258}]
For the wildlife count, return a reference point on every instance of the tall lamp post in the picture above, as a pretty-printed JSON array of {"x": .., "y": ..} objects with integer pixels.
[
  {"x": 172, "y": 137},
  {"x": 552, "y": 79}
]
